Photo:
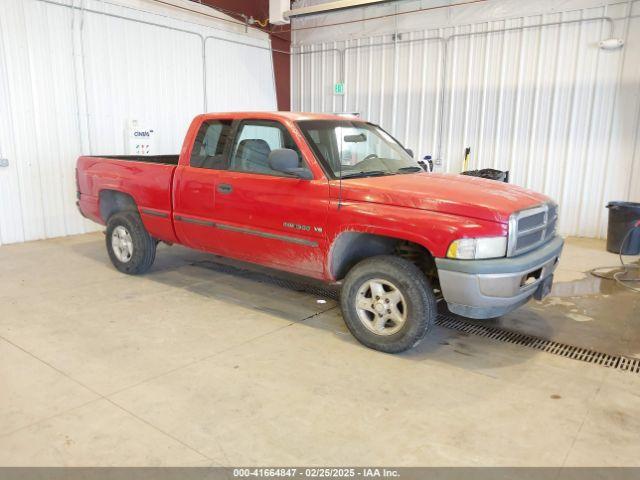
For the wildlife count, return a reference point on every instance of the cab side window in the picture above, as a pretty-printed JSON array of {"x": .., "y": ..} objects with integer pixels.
[
  {"x": 210, "y": 144},
  {"x": 255, "y": 141}
]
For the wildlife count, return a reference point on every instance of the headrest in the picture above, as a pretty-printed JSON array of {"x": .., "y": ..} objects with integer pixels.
[{"x": 253, "y": 146}]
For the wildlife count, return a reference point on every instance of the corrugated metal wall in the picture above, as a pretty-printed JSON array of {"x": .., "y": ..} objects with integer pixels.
[
  {"x": 72, "y": 78},
  {"x": 532, "y": 94}
]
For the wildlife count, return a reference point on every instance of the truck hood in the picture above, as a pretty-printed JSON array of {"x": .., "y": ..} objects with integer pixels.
[{"x": 462, "y": 195}]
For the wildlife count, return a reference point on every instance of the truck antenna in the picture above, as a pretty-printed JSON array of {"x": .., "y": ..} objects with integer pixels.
[{"x": 339, "y": 182}]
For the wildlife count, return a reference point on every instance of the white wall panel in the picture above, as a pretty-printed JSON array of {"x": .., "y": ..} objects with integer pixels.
[
  {"x": 140, "y": 72},
  {"x": 72, "y": 78},
  {"x": 230, "y": 65},
  {"x": 531, "y": 94},
  {"x": 42, "y": 136},
  {"x": 11, "y": 225}
]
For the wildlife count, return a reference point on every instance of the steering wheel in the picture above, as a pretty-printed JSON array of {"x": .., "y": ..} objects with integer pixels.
[{"x": 371, "y": 155}]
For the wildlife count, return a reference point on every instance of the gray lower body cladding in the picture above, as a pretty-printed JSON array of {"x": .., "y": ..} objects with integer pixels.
[{"x": 490, "y": 288}]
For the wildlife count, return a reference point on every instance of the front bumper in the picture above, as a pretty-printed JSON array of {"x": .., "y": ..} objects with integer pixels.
[{"x": 490, "y": 288}]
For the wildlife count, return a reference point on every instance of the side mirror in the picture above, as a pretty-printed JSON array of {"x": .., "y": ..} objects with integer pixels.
[
  {"x": 286, "y": 161},
  {"x": 409, "y": 151}
]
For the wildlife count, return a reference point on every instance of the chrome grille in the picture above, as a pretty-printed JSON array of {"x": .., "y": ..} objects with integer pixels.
[
  {"x": 531, "y": 228},
  {"x": 532, "y": 221}
]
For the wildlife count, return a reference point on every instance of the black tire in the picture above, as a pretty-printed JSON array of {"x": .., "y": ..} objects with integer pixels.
[
  {"x": 144, "y": 246},
  {"x": 414, "y": 287}
]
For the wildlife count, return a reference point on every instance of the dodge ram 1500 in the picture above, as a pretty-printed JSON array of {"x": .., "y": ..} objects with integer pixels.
[{"x": 334, "y": 198}]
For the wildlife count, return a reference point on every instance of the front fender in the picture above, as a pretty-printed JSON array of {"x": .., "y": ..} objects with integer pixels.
[{"x": 432, "y": 230}]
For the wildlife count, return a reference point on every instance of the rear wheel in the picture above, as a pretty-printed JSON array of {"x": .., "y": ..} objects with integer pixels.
[
  {"x": 131, "y": 249},
  {"x": 387, "y": 303}
]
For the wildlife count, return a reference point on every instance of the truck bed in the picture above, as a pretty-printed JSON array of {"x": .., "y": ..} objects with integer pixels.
[{"x": 145, "y": 179}]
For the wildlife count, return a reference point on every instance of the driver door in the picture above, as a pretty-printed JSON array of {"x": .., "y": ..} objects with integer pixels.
[{"x": 265, "y": 216}]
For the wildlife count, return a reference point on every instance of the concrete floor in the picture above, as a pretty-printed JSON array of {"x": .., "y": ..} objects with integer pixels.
[{"x": 194, "y": 366}]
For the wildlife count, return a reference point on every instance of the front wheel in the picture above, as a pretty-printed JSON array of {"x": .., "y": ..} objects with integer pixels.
[
  {"x": 131, "y": 249},
  {"x": 387, "y": 303}
]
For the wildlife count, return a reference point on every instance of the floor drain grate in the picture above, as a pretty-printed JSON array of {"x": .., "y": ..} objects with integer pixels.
[
  {"x": 576, "y": 353},
  {"x": 568, "y": 351}
]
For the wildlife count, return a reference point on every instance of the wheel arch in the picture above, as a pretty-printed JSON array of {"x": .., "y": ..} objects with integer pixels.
[
  {"x": 351, "y": 247},
  {"x": 114, "y": 201}
]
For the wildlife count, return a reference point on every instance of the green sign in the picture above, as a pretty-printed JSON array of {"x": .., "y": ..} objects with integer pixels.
[{"x": 338, "y": 88}]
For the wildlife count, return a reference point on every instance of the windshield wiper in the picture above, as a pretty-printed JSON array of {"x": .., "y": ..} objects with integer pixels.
[
  {"x": 370, "y": 173},
  {"x": 410, "y": 169}
]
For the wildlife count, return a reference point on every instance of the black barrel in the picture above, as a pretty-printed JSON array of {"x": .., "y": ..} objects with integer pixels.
[{"x": 623, "y": 216}]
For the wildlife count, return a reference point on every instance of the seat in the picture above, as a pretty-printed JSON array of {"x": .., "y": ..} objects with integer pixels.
[
  {"x": 253, "y": 156},
  {"x": 210, "y": 153}
]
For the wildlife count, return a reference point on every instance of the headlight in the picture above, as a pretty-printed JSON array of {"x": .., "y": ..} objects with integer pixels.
[{"x": 477, "y": 248}]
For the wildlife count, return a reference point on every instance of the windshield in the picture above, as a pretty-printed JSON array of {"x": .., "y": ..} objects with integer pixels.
[{"x": 356, "y": 149}]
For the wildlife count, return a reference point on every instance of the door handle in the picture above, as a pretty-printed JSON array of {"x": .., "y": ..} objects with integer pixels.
[{"x": 225, "y": 188}]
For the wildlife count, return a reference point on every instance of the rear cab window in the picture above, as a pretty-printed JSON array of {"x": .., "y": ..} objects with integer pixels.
[{"x": 210, "y": 145}]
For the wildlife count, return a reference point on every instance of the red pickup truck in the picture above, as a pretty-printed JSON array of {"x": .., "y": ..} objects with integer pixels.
[{"x": 334, "y": 198}]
